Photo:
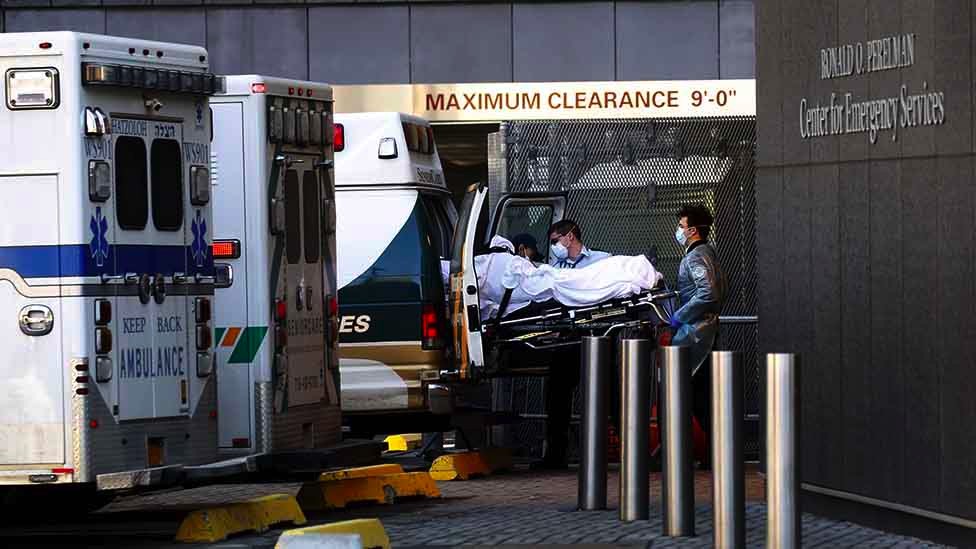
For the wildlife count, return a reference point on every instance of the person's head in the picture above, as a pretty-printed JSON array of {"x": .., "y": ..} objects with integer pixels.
[
  {"x": 565, "y": 234},
  {"x": 694, "y": 223},
  {"x": 526, "y": 246}
]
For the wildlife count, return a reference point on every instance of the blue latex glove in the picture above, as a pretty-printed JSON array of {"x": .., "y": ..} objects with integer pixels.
[{"x": 675, "y": 323}]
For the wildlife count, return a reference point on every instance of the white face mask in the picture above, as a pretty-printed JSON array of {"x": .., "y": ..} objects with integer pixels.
[
  {"x": 559, "y": 251},
  {"x": 680, "y": 236}
]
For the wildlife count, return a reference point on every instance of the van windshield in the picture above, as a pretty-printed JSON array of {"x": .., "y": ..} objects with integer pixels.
[{"x": 408, "y": 269}]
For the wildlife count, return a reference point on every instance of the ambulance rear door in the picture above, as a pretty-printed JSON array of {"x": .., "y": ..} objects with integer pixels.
[
  {"x": 151, "y": 258},
  {"x": 236, "y": 342},
  {"x": 303, "y": 280}
]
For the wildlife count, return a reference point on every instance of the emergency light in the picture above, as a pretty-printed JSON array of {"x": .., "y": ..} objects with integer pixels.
[
  {"x": 226, "y": 249},
  {"x": 130, "y": 76}
]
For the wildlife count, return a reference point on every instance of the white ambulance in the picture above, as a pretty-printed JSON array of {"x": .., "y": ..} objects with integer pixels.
[
  {"x": 106, "y": 273},
  {"x": 274, "y": 245},
  {"x": 395, "y": 228}
]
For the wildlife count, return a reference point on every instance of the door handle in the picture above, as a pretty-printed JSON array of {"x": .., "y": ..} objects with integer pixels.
[
  {"x": 309, "y": 294},
  {"x": 299, "y": 297},
  {"x": 36, "y": 320}
]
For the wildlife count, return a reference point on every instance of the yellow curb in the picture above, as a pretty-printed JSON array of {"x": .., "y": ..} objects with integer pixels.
[
  {"x": 258, "y": 514},
  {"x": 360, "y": 472},
  {"x": 371, "y": 532},
  {"x": 465, "y": 465},
  {"x": 402, "y": 443},
  {"x": 380, "y": 489}
]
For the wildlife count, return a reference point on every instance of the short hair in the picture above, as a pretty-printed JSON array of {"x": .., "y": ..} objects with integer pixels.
[
  {"x": 567, "y": 226},
  {"x": 698, "y": 217},
  {"x": 525, "y": 239}
]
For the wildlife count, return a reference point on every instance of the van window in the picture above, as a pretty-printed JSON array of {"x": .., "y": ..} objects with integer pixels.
[
  {"x": 310, "y": 197},
  {"x": 534, "y": 220},
  {"x": 131, "y": 193},
  {"x": 406, "y": 271},
  {"x": 293, "y": 220},
  {"x": 167, "y": 184},
  {"x": 441, "y": 231}
]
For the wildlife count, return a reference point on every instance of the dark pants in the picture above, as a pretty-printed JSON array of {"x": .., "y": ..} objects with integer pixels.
[{"x": 564, "y": 377}]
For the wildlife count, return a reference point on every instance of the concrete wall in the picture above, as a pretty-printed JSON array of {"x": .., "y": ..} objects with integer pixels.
[
  {"x": 345, "y": 42},
  {"x": 867, "y": 253}
]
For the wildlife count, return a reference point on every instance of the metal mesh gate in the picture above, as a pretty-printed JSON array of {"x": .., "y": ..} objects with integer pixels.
[{"x": 626, "y": 181}]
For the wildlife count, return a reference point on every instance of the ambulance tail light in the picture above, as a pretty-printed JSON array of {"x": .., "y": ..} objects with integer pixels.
[
  {"x": 202, "y": 310},
  {"x": 280, "y": 329},
  {"x": 103, "y": 340},
  {"x": 338, "y": 137},
  {"x": 430, "y": 328},
  {"x": 199, "y": 185},
  {"x": 202, "y": 314},
  {"x": 226, "y": 249},
  {"x": 333, "y": 319},
  {"x": 204, "y": 339},
  {"x": 99, "y": 180},
  {"x": 281, "y": 337},
  {"x": 103, "y": 312}
]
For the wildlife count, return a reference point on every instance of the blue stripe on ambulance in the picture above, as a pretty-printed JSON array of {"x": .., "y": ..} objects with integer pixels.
[{"x": 75, "y": 260}]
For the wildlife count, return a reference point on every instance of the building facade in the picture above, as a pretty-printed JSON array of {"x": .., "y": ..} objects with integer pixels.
[
  {"x": 360, "y": 42},
  {"x": 866, "y": 243}
]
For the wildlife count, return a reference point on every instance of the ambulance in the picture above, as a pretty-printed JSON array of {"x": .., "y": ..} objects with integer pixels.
[
  {"x": 395, "y": 229},
  {"x": 274, "y": 248},
  {"x": 106, "y": 273}
]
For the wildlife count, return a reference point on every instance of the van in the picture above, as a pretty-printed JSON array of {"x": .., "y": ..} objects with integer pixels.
[
  {"x": 106, "y": 261},
  {"x": 274, "y": 247},
  {"x": 394, "y": 231}
]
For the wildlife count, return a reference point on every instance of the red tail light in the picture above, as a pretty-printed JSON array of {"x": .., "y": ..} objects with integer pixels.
[
  {"x": 281, "y": 310},
  {"x": 430, "y": 327},
  {"x": 333, "y": 306},
  {"x": 226, "y": 249},
  {"x": 338, "y": 137}
]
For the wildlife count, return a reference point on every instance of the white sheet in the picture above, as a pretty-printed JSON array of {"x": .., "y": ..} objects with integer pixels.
[{"x": 611, "y": 278}]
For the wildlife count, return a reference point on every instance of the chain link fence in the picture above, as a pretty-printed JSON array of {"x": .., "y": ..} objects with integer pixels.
[{"x": 626, "y": 181}]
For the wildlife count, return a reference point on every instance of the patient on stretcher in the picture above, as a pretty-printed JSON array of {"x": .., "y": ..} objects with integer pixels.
[{"x": 612, "y": 278}]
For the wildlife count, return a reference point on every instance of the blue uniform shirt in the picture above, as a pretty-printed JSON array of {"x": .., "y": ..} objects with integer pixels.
[{"x": 585, "y": 257}]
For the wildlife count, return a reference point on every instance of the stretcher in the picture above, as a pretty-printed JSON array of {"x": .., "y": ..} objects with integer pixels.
[{"x": 550, "y": 325}]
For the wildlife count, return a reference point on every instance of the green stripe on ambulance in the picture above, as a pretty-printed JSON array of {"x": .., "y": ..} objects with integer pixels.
[{"x": 245, "y": 341}]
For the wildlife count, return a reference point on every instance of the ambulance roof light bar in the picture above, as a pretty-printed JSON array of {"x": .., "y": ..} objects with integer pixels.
[{"x": 148, "y": 78}]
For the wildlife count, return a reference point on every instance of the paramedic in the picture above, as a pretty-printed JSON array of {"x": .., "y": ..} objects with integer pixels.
[
  {"x": 702, "y": 287},
  {"x": 526, "y": 246},
  {"x": 566, "y": 251}
]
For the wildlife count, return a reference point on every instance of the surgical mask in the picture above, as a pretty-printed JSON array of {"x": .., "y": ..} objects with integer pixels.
[
  {"x": 680, "y": 236},
  {"x": 559, "y": 251}
]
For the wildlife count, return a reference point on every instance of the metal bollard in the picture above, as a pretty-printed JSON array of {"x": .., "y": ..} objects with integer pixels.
[
  {"x": 595, "y": 375},
  {"x": 782, "y": 460},
  {"x": 635, "y": 413},
  {"x": 728, "y": 473},
  {"x": 678, "y": 489}
]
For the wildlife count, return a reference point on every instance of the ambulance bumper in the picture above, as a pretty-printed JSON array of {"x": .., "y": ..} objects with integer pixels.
[{"x": 154, "y": 477}]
